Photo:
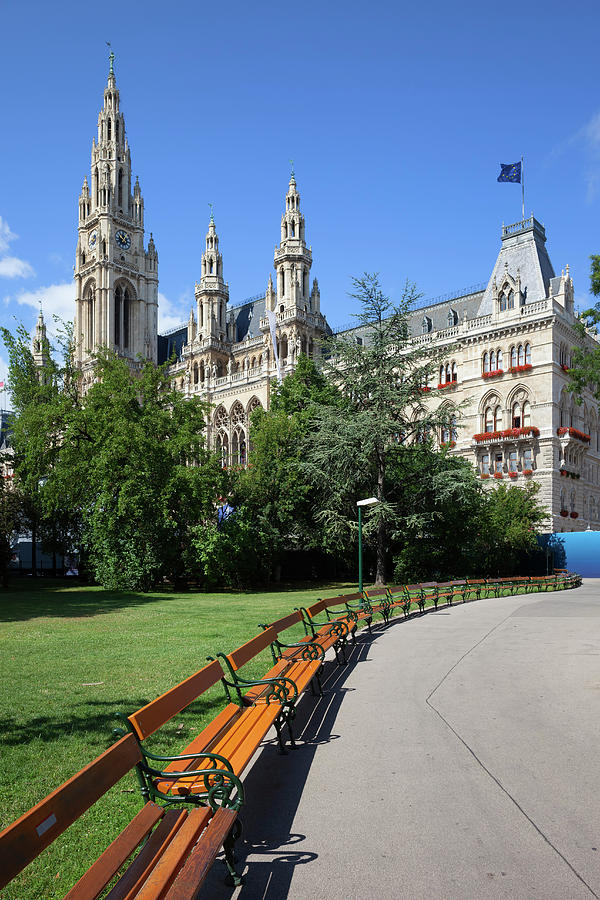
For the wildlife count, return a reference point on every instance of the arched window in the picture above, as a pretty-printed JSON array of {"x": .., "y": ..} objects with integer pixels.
[
  {"x": 223, "y": 448},
  {"x": 528, "y": 458},
  {"x": 526, "y": 414},
  {"x": 486, "y": 362},
  {"x": 513, "y": 357},
  {"x": 284, "y": 347},
  {"x": 527, "y": 354},
  {"x": 293, "y": 228},
  {"x": 485, "y": 464},
  {"x": 447, "y": 373},
  {"x": 493, "y": 361},
  {"x": 195, "y": 373},
  {"x": 118, "y": 313},
  {"x": 452, "y": 318},
  {"x": 499, "y": 359},
  {"x": 454, "y": 372},
  {"x": 516, "y": 415},
  {"x": 117, "y": 129},
  {"x": 126, "y": 317},
  {"x": 442, "y": 374},
  {"x": 502, "y": 302},
  {"x": 512, "y": 461},
  {"x": 426, "y": 325},
  {"x": 120, "y": 188},
  {"x": 511, "y": 299},
  {"x": 202, "y": 372},
  {"x": 109, "y": 126},
  {"x": 521, "y": 355}
]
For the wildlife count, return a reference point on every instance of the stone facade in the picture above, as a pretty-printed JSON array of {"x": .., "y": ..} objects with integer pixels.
[{"x": 504, "y": 349}]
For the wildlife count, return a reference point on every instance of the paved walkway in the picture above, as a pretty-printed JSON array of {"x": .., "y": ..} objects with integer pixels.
[{"x": 456, "y": 756}]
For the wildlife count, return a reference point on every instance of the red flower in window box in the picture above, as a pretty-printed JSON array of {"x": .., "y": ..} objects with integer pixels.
[
  {"x": 447, "y": 384},
  {"x": 448, "y": 444},
  {"x": 573, "y": 432},
  {"x": 513, "y": 474},
  {"x": 524, "y": 367},
  {"x": 425, "y": 390},
  {"x": 495, "y": 373},
  {"x": 563, "y": 471},
  {"x": 564, "y": 367},
  {"x": 527, "y": 471},
  {"x": 485, "y": 475},
  {"x": 564, "y": 513},
  {"x": 498, "y": 475},
  {"x": 574, "y": 515}
]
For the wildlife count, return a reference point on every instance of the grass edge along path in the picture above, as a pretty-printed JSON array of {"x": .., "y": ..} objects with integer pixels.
[{"x": 73, "y": 657}]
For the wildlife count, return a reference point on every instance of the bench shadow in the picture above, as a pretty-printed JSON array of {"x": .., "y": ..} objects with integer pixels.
[{"x": 269, "y": 851}]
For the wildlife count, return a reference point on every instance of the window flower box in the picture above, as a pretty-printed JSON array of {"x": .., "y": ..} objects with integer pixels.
[
  {"x": 564, "y": 513},
  {"x": 495, "y": 373},
  {"x": 513, "y": 474},
  {"x": 574, "y": 515},
  {"x": 448, "y": 444},
  {"x": 573, "y": 432},
  {"x": 485, "y": 475},
  {"x": 525, "y": 367},
  {"x": 526, "y": 431},
  {"x": 498, "y": 475},
  {"x": 527, "y": 471},
  {"x": 425, "y": 390}
]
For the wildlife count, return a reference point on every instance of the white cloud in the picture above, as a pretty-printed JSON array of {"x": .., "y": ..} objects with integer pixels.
[
  {"x": 11, "y": 267},
  {"x": 56, "y": 300},
  {"x": 6, "y": 235},
  {"x": 171, "y": 314}
]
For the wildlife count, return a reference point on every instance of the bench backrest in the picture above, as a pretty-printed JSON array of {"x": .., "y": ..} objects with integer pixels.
[
  {"x": 427, "y": 584},
  {"x": 287, "y": 621},
  {"x": 379, "y": 592},
  {"x": 151, "y": 717},
  {"x": 459, "y": 582},
  {"x": 317, "y": 608},
  {"x": 25, "y": 839},
  {"x": 251, "y": 648}
]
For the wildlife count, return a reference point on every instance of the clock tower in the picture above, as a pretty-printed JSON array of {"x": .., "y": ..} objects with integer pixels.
[{"x": 116, "y": 277}]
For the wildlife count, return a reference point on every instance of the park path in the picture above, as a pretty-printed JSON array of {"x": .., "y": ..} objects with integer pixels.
[{"x": 456, "y": 756}]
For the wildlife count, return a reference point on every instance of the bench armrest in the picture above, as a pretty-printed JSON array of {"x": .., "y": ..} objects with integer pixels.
[
  {"x": 314, "y": 651},
  {"x": 336, "y": 624},
  {"x": 219, "y": 784},
  {"x": 280, "y": 690}
]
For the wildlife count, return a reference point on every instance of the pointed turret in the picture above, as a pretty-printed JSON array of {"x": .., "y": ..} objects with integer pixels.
[
  {"x": 40, "y": 346},
  {"x": 116, "y": 277},
  {"x": 212, "y": 293},
  {"x": 293, "y": 258}
]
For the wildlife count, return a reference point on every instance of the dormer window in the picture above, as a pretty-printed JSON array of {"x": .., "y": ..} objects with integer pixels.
[
  {"x": 426, "y": 325},
  {"x": 452, "y": 318},
  {"x": 503, "y": 301}
]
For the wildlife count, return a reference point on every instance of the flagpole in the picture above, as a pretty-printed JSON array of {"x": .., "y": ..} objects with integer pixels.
[{"x": 523, "y": 187}]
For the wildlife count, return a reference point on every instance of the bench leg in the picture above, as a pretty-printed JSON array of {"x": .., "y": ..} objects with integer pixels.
[
  {"x": 317, "y": 678},
  {"x": 232, "y": 879},
  {"x": 280, "y": 740},
  {"x": 288, "y": 715}
]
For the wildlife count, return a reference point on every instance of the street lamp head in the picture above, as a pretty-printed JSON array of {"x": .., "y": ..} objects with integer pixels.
[{"x": 370, "y": 501}]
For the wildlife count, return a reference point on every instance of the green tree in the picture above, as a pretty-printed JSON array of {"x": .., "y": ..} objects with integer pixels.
[
  {"x": 352, "y": 445},
  {"x": 584, "y": 372},
  {"x": 442, "y": 502},
  {"x": 508, "y": 527}
]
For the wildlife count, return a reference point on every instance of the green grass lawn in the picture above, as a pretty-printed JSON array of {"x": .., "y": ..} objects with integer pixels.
[{"x": 71, "y": 658}]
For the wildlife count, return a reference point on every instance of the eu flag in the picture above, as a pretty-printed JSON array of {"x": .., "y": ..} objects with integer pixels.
[{"x": 510, "y": 172}]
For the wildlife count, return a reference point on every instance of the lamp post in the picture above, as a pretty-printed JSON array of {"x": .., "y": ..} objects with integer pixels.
[{"x": 370, "y": 501}]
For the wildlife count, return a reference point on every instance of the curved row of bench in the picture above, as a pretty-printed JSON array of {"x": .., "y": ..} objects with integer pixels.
[{"x": 192, "y": 800}]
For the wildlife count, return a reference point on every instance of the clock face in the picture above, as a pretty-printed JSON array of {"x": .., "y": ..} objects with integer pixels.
[
  {"x": 123, "y": 240},
  {"x": 92, "y": 239}
]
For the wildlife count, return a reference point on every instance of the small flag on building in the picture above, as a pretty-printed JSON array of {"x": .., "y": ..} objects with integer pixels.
[
  {"x": 1, "y": 385},
  {"x": 510, "y": 172}
]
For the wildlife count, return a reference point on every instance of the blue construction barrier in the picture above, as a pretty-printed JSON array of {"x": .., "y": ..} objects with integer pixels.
[{"x": 577, "y": 551}]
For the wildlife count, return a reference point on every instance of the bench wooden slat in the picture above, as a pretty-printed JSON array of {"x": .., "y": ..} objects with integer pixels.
[
  {"x": 165, "y": 871},
  {"x": 251, "y": 648},
  {"x": 316, "y": 608},
  {"x": 127, "y": 887},
  {"x": 188, "y": 883},
  {"x": 149, "y": 718},
  {"x": 287, "y": 621},
  {"x": 25, "y": 839},
  {"x": 108, "y": 864}
]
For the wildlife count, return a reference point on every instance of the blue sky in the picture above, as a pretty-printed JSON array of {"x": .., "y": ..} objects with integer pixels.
[{"x": 397, "y": 117}]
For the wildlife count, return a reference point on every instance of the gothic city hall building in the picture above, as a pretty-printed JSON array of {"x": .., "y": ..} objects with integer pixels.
[{"x": 504, "y": 348}]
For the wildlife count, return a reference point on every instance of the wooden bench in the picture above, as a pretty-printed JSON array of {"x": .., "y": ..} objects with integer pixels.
[
  {"x": 408, "y": 594},
  {"x": 229, "y": 742},
  {"x": 331, "y": 632},
  {"x": 474, "y": 587},
  {"x": 301, "y": 660},
  {"x": 450, "y": 590},
  {"x": 167, "y": 853},
  {"x": 382, "y": 603}
]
